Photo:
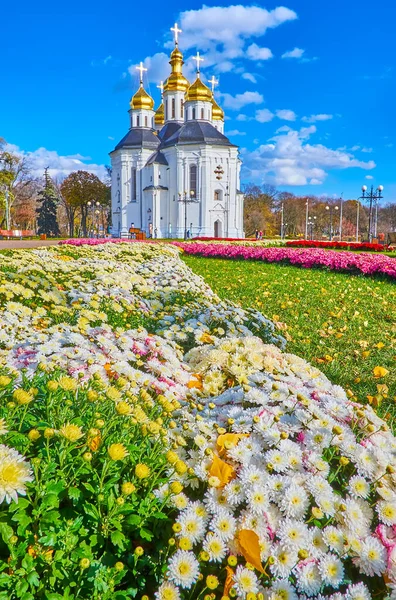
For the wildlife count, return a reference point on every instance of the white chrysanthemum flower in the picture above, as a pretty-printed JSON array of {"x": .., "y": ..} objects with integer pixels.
[
  {"x": 282, "y": 590},
  {"x": 371, "y": 559},
  {"x": 295, "y": 501},
  {"x": 359, "y": 487},
  {"x": 183, "y": 569},
  {"x": 284, "y": 561},
  {"x": 293, "y": 534},
  {"x": 308, "y": 579},
  {"x": 332, "y": 570},
  {"x": 167, "y": 591},
  {"x": 192, "y": 526},
  {"x": 234, "y": 492},
  {"x": 358, "y": 591},
  {"x": 245, "y": 581},
  {"x": 358, "y": 516},
  {"x": 257, "y": 499},
  {"x": 318, "y": 547},
  {"x": 215, "y": 547},
  {"x": 277, "y": 460},
  {"x": 387, "y": 512},
  {"x": 334, "y": 538},
  {"x": 223, "y": 525},
  {"x": 15, "y": 472}
]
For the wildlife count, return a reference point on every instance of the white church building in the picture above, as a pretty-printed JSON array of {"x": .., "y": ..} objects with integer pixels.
[{"x": 175, "y": 174}]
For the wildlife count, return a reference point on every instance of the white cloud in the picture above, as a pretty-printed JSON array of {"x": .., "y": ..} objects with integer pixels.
[
  {"x": 242, "y": 117},
  {"x": 295, "y": 53},
  {"x": 222, "y": 34},
  {"x": 306, "y": 132},
  {"x": 254, "y": 52},
  {"x": 354, "y": 148},
  {"x": 235, "y": 132},
  {"x": 249, "y": 77},
  {"x": 240, "y": 100},
  {"x": 289, "y": 160},
  {"x": 286, "y": 115},
  {"x": 264, "y": 115},
  {"x": 59, "y": 166},
  {"x": 369, "y": 177},
  {"x": 319, "y": 117},
  {"x": 368, "y": 150}
]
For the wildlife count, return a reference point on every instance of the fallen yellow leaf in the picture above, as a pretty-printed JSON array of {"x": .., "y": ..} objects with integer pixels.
[
  {"x": 250, "y": 548},
  {"x": 380, "y": 372},
  {"x": 222, "y": 470}
]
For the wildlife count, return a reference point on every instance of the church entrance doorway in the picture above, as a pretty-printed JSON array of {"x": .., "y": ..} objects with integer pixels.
[{"x": 218, "y": 229}]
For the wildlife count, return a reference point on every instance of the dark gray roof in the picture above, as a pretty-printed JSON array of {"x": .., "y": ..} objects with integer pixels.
[
  {"x": 195, "y": 132},
  {"x": 138, "y": 138},
  {"x": 148, "y": 188},
  {"x": 168, "y": 130},
  {"x": 158, "y": 158}
]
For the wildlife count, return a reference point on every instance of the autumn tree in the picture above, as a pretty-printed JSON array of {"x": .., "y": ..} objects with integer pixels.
[
  {"x": 14, "y": 176},
  {"x": 77, "y": 190},
  {"x": 47, "y": 222}
]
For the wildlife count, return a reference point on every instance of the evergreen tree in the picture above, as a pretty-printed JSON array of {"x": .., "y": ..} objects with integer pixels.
[{"x": 46, "y": 212}]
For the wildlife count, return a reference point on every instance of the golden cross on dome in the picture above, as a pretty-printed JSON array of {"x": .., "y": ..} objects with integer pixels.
[
  {"x": 142, "y": 69},
  {"x": 176, "y": 32},
  {"x": 161, "y": 87},
  {"x": 213, "y": 82},
  {"x": 198, "y": 59}
]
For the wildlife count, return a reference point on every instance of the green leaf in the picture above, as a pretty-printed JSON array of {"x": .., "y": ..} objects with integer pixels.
[
  {"x": 74, "y": 493},
  {"x": 50, "y": 501},
  {"x": 145, "y": 534},
  {"x": 33, "y": 578},
  {"x": 118, "y": 539},
  {"x": 133, "y": 520},
  {"x": 5, "y": 531}
]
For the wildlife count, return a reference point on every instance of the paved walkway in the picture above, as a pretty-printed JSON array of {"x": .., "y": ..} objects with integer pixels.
[{"x": 4, "y": 244}]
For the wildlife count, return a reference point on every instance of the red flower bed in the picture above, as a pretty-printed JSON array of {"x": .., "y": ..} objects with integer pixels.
[
  {"x": 342, "y": 245},
  {"x": 218, "y": 239}
]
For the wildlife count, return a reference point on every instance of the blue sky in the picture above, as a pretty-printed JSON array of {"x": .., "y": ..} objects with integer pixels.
[{"x": 308, "y": 86}]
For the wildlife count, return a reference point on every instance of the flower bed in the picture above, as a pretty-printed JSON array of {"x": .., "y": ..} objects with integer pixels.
[
  {"x": 364, "y": 246},
  {"x": 156, "y": 442},
  {"x": 367, "y": 264}
]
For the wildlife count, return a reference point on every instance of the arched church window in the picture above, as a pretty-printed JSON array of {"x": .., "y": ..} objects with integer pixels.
[
  {"x": 138, "y": 121},
  {"x": 166, "y": 109},
  {"x": 173, "y": 108},
  {"x": 193, "y": 180},
  {"x": 202, "y": 113},
  {"x": 182, "y": 108},
  {"x": 133, "y": 184},
  {"x": 146, "y": 121},
  {"x": 193, "y": 114}
]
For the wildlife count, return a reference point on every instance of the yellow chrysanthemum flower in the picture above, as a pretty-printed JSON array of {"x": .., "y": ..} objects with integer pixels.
[
  {"x": 68, "y": 384},
  {"x": 117, "y": 451},
  {"x": 142, "y": 471},
  {"x": 71, "y": 432},
  {"x": 22, "y": 396}
]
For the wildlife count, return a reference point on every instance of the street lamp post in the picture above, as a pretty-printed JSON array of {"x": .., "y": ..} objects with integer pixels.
[
  {"x": 187, "y": 198},
  {"x": 341, "y": 206},
  {"x": 306, "y": 218},
  {"x": 330, "y": 208},
  {"x": 282, "y": 223},
  {"x": 357, "y": 221},
  {"x": 311, "y": 223},
  {"x": 373, "y": 197}
]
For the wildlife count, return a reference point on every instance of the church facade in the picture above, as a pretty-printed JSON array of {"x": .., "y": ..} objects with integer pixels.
[{"x": 175, "y": 174}]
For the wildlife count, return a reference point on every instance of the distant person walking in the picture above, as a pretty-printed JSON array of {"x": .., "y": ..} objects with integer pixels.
[
  {"x": 257, "y": 234},
  {"x": 260, "y": 235}
]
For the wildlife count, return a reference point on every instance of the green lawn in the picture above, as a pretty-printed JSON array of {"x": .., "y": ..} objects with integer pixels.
[{"x": 344, "y": 324}]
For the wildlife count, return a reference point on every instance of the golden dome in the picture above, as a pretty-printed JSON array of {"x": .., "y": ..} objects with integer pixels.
[
  {"x": 176, "y": 81},
  {"x": 159, "y": 118},
  {"x": 217, "y": 112},
  {"x": 198, "y": 91},
  {"x": 142, "y": 100}
]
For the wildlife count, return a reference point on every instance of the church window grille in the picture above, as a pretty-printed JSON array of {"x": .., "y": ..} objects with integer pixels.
[
  {"x": 138, "y": 121},
  {"x": 166, "y": 109},
  {"x": 133, "y": 184},
  {"x": 202, "y": 113},
  {"x": 181, "y": 108},
  {"x": 173, "y": 108},
  {"x": 193, "y": 180},
  {"x": 146, "y": 121},
  {"x": 193, "y": 114}
]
